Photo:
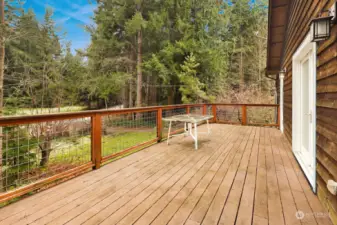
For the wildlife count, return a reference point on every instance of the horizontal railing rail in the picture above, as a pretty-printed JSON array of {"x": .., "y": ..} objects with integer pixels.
[
  {"x": 39, "y": 151},
  {"x": 18, "y": 120},
  {"x": 247, "y": 114}
]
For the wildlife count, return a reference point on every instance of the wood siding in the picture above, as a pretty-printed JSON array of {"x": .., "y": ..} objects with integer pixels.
[{"x": 300, "y": 14}]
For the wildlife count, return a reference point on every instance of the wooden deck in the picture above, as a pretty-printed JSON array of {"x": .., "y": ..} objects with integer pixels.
[{"x": 240, "y": 175}]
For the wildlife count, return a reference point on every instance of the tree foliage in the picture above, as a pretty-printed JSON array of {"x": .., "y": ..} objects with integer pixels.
[{"x": 157, "y": 39}]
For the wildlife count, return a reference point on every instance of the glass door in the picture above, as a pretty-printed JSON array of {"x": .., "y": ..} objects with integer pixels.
[
  {"x": 306, "y": 114},
  {"x": 304, "y": 108}
]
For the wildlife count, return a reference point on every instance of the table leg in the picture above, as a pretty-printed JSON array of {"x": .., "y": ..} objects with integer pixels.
[
  {"x": 196, "y": 136},
  {"x": 208, "y": 128},
  {"x": 169, "y": 131},
  {"x": 189, "y": 129}
]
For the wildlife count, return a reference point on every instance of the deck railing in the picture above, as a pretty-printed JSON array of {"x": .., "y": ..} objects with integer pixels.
[{"x": 42, "y": 150}]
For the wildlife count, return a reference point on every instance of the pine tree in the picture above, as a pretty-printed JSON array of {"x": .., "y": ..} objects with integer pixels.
[
  {"x": 34, "y": 72},
  {"x": 114, "y": 45},
  {"x": 191, "y": 88}
]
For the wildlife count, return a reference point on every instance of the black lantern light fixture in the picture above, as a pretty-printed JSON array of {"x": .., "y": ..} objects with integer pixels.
[{"x": 320, "y": 28}]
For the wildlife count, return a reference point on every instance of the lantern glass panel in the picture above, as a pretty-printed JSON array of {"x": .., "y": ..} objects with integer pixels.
[{"x": 320, "y": 28}]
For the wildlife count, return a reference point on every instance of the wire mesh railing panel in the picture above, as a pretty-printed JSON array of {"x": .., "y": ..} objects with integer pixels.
[
  {"x": 209, "y": 110},
  {"x": 261, "y": 115},
  {"x": 33, "y": 154},
  {"x": 123, "y": 131},
  {"x": 37, "y": 151},
  {"x": 229, "y": 114},
  {"x": 196, "y": 110},
  {"x": 176, "y": 126}
]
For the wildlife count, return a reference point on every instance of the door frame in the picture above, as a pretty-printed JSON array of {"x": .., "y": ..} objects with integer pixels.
[{"x": 305, "y": 48}]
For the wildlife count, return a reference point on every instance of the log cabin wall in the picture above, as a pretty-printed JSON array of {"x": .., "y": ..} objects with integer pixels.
[{"x": 299, "y": 16}]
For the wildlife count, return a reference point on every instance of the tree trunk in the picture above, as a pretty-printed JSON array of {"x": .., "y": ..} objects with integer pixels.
[
  {"x": 154, "y": 91},
  {"x": 130, "y": 94},
  {"x": 259, "y": 68},
  {"x": 45, "y": 150},
  {"x": 139, "y": 69},
  {"x": 170, "y": 98},
  {"x": 89, "y": 103},
  {"x": 106, "y": 103},
  {"x": 242, "y": 75},
  {"x": 130, "y": 99},
  {"x": 125, "y": 95},
  {"x": 2, "y": 71},
  {"x": 131, "y": 70},
  {"x": 147, "y": 90}
]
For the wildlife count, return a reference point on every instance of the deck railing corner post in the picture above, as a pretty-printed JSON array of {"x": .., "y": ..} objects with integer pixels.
[
  {"x": 159, "y": 123},
  {"x": 204, "y": 109},
  {"x": 244, "y": 114},
  {"x": 96, "y": 140},
  {"x": 214, "y": 106}
]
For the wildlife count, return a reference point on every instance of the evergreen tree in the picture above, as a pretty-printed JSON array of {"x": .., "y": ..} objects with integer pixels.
[
  {"x": 2, "y": 70},
  {"x": 34, "y": 72},
  {"x": 191, "y": 88},
  {"x": 139, "y": 48}
]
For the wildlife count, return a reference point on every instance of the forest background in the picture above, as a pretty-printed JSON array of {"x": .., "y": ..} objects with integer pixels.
[{"x": 142, "y": 53}]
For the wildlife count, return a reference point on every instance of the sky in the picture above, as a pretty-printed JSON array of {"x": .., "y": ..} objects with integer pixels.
[{"x": 70, "y": 17}]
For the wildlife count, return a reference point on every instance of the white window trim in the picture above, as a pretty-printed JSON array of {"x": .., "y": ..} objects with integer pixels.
[{"x": 301, "y": 52}]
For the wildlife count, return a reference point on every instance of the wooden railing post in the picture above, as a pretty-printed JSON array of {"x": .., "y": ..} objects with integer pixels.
[
  {"x": 215, "y": 120},
  {"x": 159, "y": 124},
  {"x": 244, "y": 114},
  {"x": 204, "y": 109},
  {"x": 96, "y": 140},
  {"x": 188, "y": 109}
]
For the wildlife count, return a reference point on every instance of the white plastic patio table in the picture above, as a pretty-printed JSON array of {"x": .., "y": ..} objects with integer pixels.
[{"x": 188, "y": 120}]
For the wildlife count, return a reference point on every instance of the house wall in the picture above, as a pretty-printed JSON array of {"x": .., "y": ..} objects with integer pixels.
[{"x": 301, "y": 12}]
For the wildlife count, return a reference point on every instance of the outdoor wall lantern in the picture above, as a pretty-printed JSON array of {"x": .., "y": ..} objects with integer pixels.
[{"x": 320, "y": 28}]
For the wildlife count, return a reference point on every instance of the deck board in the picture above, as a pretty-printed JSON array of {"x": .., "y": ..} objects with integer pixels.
[
  {"x": 245, "y": 213},
  {"x": 260, "y": 214},
  {"x": 230, "y": 209},
  {"x": 157, "y": 207},
  {"x": 239, "y": 175},
  {"x": 218, "y": 203},
  {"x": 288, "y": 203},
  {"x": 275, "y": 210}
]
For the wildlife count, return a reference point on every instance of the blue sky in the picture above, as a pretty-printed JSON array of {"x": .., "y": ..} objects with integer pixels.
[{"x": 70, "y": 17}]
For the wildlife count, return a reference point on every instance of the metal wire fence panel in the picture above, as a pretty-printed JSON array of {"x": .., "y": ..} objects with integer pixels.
[
  {"x": 229, "y": 114},
  {"x": 209, "y": 110},
  {"x": 197, "y": 110},
  {"x": 37, "y": 151},
  {"x": 123, "y": 131},
  {"x": 261, "y": 115},
  {"x": 176, "y": 126}
]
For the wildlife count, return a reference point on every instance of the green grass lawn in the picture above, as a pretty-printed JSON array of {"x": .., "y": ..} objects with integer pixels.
[
  {"x": 116, "y": 143},
  {"x": 79, "y": 151},
  {"x": 8, "y": 111}
]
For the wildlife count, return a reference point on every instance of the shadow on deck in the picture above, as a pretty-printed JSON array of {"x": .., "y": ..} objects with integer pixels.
[{"x": 239, "y": 175}]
